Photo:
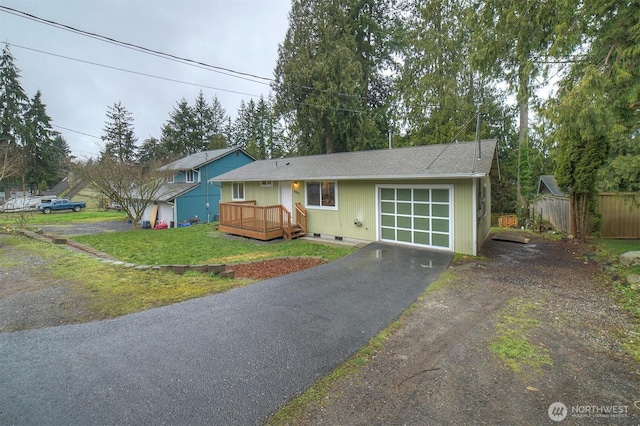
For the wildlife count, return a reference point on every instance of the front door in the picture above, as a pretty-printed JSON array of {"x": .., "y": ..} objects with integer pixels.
[{"x": 286, "y": 197}]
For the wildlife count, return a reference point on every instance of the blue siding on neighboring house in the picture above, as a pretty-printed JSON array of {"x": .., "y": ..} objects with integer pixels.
[{"x": 194, "y": 202}]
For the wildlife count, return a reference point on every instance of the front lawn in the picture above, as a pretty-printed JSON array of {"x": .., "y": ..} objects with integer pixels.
[
  {"x": 35, "y": 218},
  {"x": 200, "y": 244}
]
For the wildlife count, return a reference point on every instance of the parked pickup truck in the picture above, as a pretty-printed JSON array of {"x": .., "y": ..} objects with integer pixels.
[{"x": 61, "y": 204}]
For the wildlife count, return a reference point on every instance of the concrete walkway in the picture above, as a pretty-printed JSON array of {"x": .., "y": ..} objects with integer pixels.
[{"x": 231, "y": 358}]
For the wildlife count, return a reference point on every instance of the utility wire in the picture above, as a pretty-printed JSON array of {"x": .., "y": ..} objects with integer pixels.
[
  {"x": 130, "y": 71},
  {"x": 222, "y": 70},
  {"x": 128, "y": 45},
  {"x": 464, "y": 126}
]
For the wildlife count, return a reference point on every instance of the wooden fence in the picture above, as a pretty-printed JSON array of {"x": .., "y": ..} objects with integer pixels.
[
  {"x": 554, "y": 210},
  {"x": 620, "y": 216}
]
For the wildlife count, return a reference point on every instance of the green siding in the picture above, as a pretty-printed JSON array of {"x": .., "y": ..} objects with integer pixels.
[{"x": 357, "y": 200}]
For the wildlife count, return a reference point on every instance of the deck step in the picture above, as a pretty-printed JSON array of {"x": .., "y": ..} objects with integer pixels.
[{"x": 293, "y": 232}]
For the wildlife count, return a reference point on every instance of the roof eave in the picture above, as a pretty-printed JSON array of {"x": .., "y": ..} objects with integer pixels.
[{"x": 372, "y": 177}]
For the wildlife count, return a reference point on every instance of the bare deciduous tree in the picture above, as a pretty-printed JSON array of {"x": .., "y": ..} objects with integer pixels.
[
  {"x": 131, "y": 185},
  {"x": 10, "y": 160}
]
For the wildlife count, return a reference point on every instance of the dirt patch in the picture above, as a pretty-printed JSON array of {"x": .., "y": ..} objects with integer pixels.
[
  {"x": 438, "y": 369},
  {"x": 273, "y": 268}
]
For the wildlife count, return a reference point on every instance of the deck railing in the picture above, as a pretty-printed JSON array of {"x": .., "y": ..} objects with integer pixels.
[
  {"x": 301, "y": 217},
  {"x": 262, "y": 222}
]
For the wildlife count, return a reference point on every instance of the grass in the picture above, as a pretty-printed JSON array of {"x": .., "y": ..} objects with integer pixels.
[
  {"x": 512, "y": 344},
  {"x": 608, "y": 252},
  {"x": 294, "y": 411},
  {"x": 36, "y": 218},
  {"x": 108, "y": 291},
  {"x": 199, "y": 244}
]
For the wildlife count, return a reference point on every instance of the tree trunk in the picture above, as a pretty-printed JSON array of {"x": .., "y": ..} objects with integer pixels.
[{"x": 579, "y": 216}]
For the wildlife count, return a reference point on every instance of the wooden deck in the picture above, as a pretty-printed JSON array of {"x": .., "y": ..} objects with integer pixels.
[{"x": 247, "y": 219}]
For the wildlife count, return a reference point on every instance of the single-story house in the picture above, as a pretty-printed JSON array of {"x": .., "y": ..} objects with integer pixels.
[
  {"x": 435, "y": 196},
  {"x": 186, "y": 196}
]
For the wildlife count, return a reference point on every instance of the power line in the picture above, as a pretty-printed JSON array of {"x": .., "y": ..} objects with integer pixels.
[
  {"x": 221, "y": 70},
  {"x": 76, "y": 131},
  {"x": 130, "y": 71},
  {"x": 131, "y": 46}
]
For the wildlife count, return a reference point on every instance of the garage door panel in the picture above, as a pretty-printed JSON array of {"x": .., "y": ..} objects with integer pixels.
[
  {"x": 404, "y": 222},
  {"x": 422, "y": 238},
  {"x": 440, "y": 195},
  {"x": 416, "y": 215},
  {"x": 440, "y": 240},
  {"x": 404, "y": 236},
  {"x": 440, "y": 210},
  {"x": 388, "y": 220},
  {"x": 440, "y": 225}
]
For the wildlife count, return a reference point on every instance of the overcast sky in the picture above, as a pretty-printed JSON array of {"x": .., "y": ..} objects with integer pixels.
[{"x": 241, "y": 35}]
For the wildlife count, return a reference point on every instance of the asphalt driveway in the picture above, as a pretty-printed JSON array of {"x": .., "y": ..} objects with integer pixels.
[{"x": 230, "y": 358}]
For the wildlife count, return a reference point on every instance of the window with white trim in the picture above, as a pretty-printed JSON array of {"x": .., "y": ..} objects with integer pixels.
[
  {"x": 171, "y": 178},
  {"x": 266, "y": 183},
  {"x": 190, "y": 176},
  {"x": 322, "y": 194},
  {"x": 237, "y": 191}
]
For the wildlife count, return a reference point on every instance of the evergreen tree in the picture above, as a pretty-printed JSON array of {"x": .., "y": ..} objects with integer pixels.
[
  {"x": 240, "y": 128},
  {"x": 437, "y": 88},
  {"x": 614, "y": 34},
  {"x": 149, "y": 151},
  {"x": 42, "y": 161},
  {"x": 508, "y": 37},
  {"x": 119, "y": 135},
  {"x": 218, "y": 126},
  {"x": 204, "y": 129},
  {"x": 582, "y": 136},
  {"x": 14, "y": 102},
  {"x": 174, "y": 140},
  {"x": 325, "y": 72}
]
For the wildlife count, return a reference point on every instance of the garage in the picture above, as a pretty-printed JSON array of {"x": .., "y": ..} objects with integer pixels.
[{"x": 416, "y": 215}]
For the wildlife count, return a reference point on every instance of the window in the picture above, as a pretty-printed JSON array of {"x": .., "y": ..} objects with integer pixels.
[
  {"x": 171, "y": 178},
  {"x": 322, "y": 194},
  {"x": 237, "y": 191},
  {"x": 266, "y": 183},
  {"x": 190, "y": 176}
]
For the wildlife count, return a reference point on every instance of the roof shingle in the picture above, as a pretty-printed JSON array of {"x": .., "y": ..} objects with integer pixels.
[{"x": 451, "y": 160}]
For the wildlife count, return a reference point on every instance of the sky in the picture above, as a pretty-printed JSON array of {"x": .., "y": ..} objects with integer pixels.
[{"x": 238, "y": 35}]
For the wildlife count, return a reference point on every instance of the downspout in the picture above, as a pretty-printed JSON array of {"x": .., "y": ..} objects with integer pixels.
[{"x": 474, "y": 209}]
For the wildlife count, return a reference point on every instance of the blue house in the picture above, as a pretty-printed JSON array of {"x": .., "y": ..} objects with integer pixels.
[{"x": 186, "y": 196}]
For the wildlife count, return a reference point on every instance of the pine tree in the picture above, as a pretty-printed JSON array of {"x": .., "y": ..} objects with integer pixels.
[
  {"x": 325, "y": 73},
  {"x": 43, "y": 165},
  {"x": 218, "y": 132},
  {"x": 119, "y": 135},
  {"x": 437, "y": 87},
  {"x": 175, "y": 133},
  {"x": 14, "y": 102},
  {"x": 149, "y": 151},
  {"x": 507, "y": 39}
]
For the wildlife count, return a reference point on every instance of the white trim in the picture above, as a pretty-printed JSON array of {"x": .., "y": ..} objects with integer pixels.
[
  {"x": 474, "y": 209},
  {"x": 321, "y": 207},
  {"x": 449, "y": 187},
  {"x": 244, "y": 189}
]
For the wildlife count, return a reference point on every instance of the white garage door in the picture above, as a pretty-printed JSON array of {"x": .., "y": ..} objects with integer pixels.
[{"x": 416, "y": 215}]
